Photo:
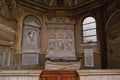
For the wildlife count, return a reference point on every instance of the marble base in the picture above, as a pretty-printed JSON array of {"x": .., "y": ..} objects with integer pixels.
[
  {"x": 83, "y": 74},
  {"x": 62, "y": 65}
]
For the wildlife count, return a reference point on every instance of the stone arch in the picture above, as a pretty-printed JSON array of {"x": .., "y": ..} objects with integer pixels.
[
  {"x": 36, "y": 18},
  {"x": 113, "y": 39},
  {"x": 112, "y": 19}
]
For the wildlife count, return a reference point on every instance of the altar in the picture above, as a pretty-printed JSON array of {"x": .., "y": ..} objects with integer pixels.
[{"x": 59, "y": 75}]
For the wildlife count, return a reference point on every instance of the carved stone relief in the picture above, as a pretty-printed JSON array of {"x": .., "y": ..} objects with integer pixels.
[
  {"x": 60, "y": 42},
  {"x": 30, "y": 39},
  {"x": 59, "y": 19}
]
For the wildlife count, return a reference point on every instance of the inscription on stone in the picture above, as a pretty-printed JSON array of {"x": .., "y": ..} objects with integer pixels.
[
  {"x": 89, "y": 59},
  {"x": 30, "y": 59}
]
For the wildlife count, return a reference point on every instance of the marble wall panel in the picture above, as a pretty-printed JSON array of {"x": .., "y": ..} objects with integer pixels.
[
  {"x": 30, "y": 59},
  {"x": 5, "y": 57}
]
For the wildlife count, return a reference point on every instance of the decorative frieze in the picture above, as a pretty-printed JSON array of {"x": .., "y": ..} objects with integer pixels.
[{"x": 60, "y": 17}]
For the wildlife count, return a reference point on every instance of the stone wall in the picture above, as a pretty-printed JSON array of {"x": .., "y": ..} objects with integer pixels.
[
  {"x": 7, "y": 34},
  {"x": 11, "y": 28}
]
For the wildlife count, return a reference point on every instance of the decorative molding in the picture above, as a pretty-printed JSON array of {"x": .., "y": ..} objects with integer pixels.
[
  {"x": 62, "y": 65},
  {"x": 5, "y": 43},
  {"x": 7, "y": 29},
  {"x": 60, "y": 19},
  {"x": 32, "y": 24},
  {"x": 80, "y": 72},
  {"x": 7, "y": 33}
]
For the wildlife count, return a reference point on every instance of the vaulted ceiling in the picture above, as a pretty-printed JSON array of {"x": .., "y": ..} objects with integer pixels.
[{"x": 74, "y": 6}]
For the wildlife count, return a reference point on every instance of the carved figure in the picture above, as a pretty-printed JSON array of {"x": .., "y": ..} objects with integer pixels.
[
  {"x": 60, "y": 44},
  {"x": 69, "y": 45},
  {"x": 31, "y": 35},
  {"x": 51, "y": 34},
  {"x": 52, "y": 45}
]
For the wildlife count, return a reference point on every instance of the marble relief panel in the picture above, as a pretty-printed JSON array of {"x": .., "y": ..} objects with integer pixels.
[
  {"x": 30, "y": 39},
  {"x": 60, "y": 42}
]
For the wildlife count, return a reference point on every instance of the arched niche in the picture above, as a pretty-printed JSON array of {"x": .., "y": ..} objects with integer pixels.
[
  {"x": 31, "y": 34},
  {"x": 31, "y": 40},
  {"x": 113, "y": 26},
  {"x": 113, "y": 39}
]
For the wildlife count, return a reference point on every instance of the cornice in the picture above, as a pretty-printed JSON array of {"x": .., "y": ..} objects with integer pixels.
[
  {"x": 87, "y": 7},
  {"x": 33, "y": 5}
]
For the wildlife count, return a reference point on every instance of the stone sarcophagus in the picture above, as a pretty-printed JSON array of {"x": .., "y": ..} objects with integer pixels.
[{"x": 61, "y": 47}]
